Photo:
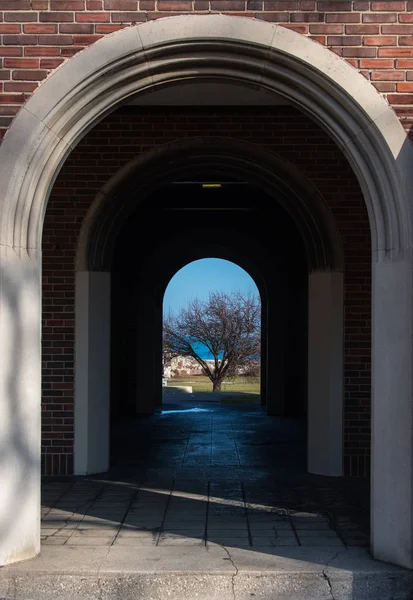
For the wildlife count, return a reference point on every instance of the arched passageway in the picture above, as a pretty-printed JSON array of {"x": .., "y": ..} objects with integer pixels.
[
  {"x": 268, "y": 218},
  {"x": 316, "y": 81}
]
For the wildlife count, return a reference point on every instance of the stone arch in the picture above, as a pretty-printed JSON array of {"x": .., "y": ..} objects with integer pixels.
[
  {"x": 160, "y": 166},
  {"x": 275, "y": 176},
  {"x": 250, "y": 52}
]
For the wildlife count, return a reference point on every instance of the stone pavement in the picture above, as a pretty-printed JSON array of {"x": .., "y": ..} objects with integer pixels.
[{"x": 205, "y": 500}]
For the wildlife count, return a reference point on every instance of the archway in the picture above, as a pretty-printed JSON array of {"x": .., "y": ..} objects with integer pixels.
[
  {"x": 308, "y": 222},
  {"x": 250, "y": 52}
]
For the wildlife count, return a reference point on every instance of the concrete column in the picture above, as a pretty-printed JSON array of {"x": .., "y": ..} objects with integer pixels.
[
  {"x": 392, "y": 414},
  {"x": 20, "y": 394},
  {"x": 325, "y": 374},
  {"x": 148, "y": 337},
  {"x": 92, "y": 372},
  {"x": 275, "y": 350}
]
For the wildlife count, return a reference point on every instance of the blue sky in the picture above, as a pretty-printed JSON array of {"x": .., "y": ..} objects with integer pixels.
[{"x": 199, "y": 278}]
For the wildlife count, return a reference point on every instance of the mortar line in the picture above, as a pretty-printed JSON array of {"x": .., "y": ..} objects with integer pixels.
[
  {"x": 293, "y": 528},
  {"x": 207, "y": 513},
  {"x": 246, "y": 514},
  {"x": 161, "y": 528},
  {"x": 187, "y": 444},
  {"x": 99, "y": 493},
  {"x": 132, "y": 500},
  {"x": 70, "y": 487},
  {"x": 235, "y": 441}
]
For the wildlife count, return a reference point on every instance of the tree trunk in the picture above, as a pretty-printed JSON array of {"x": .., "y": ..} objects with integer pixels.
[{"x": 216, "y": 386}]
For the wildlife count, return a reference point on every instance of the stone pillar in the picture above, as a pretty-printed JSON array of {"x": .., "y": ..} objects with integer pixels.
[
  {"x": 276, "y": 324},
  {"x": 92, "y": 372},
  {"x": 392, "y": 414},
  {"x": 20, "y": 395},
  {"x": 325, "y": 374}
]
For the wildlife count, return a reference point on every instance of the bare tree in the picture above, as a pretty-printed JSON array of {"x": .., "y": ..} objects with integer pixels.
[{"x": 227, "y": 325}]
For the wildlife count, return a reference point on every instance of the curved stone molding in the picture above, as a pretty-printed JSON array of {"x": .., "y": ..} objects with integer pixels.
[
  {"x": 117, "y": 200},
  {"x": 252, "y": 53},
  {"x": 166, "y": 51}
]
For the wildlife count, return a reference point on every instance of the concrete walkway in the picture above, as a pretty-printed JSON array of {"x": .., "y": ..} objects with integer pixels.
[{"x": 205, "y": 500}]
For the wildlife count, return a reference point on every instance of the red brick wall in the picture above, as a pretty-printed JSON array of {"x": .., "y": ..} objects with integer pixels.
[
  {"x": 121, "y": 138},
  {"x": 38, "y": 35}
]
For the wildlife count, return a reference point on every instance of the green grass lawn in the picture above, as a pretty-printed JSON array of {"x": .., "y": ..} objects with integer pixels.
[{"x": 241, "y": 389}]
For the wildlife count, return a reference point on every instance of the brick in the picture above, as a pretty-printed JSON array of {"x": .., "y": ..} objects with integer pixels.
[
  {"x": 394, "y": 52},
  {"x": 128, "y": 17},
  {"x": 21, "y": 86},
  {"x": 321, "y": 39},
  {"x": 9, "y": 28},
  {"x": 71, "y": 51},
  {"x": 186, "y": 5},
  {"x": 150, "y": 5},
  {"x": 41, "y": 51},
  {"x": 21, "y": 17},
  {"x": 380, "y": 40},
  {"x": 56, "y": 17},
  {"x": 338, "y": 5},
  {"x": 85, "y": 28},
  {"x": 362, "y": 29},
  {"x": 94, "y": 5},
  {"x": 85, "y": 39},
  {"x": 306, "y": 17},
  {"x": 50, "y": 63},
  {"x": 19, "y": 40},
  {"x": 376, "y": 63},
  {"x": 323, "y": 28},
  {"x": 343, "y": 18},
  {"x": 89, "y": 17},
  {"x": 40, "y": 28},
  {"x": 387, "y": 76},
  {"x": 108, "y": 28},
  {"x": 129, "y": 5},
  {"x": 385, "y": 86},
  {"x": 199, "y": 5},
  {"x": 344, "y": 40},
  {"x": 227, "y": 5},
  {"x": 409, "y": 75},
  {"x": 29, "y": 74},
  {"x": 408, "y": 18},
  {"x": 405, "y": 87},
  {"x": 359, "y": 52},
  {"x": 21, "y": 63},
  {"x": 406, "y": 40},
  {"x": 4, "y": 74},
  {"x": 69, "y": 5},
  {"x": 12, "y": 98},
  {"x": 15, "y": 5},
  {"x": 40, "y": 4},
  {"x": 390, "y": 5},
  {"x": 404, "y": 63},
  {"x": 280, "y": 5},
  {"x": 303, "y": 29},
  {"x": 400, "y": 99},
  {"x": 55, "y": 40},
  {"x": 275, "y": 17},
  {"x": 382, "y": 18},
  {"x": 398, "y": 29},
  {"x": 11, "y": 51}
]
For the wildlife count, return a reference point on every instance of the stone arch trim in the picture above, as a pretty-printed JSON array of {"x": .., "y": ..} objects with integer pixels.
[
  {"x": 171, "y": 50},
  {"x": 161, "y": 165}
]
